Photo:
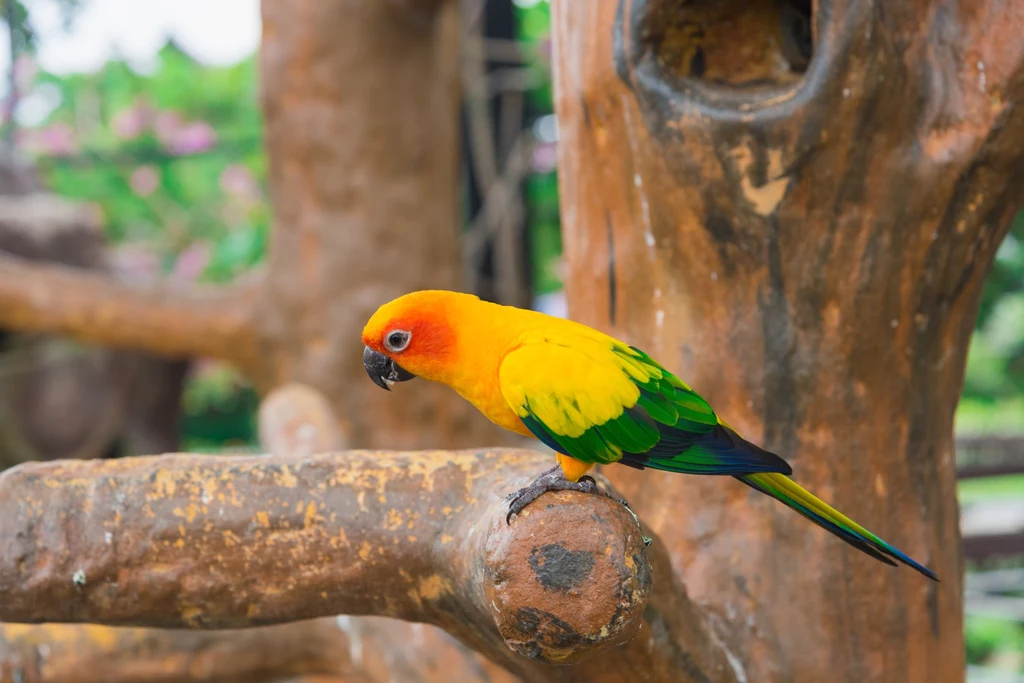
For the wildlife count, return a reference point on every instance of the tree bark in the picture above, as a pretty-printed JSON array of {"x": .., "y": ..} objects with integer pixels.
[
  {"x": 342, "y": 650},
  {"x": 60, "y": 653},
  {"x": 361, "y": 103},
  {"x": 162, "y": 541},
  {"x": 295, "y": 421},
  {"x": 805, "y": 243}
]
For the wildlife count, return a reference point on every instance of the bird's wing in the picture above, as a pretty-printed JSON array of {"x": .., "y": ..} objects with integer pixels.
[{"x": 601, "y": 401}]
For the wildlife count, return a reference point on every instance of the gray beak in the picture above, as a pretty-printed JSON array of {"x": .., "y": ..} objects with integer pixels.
[{"x": 382, "y": 370}]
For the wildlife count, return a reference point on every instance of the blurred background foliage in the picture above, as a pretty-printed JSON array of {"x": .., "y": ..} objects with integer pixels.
[
  {"x": 993, "y": 397},
  {"x": 171, "y": 160}
]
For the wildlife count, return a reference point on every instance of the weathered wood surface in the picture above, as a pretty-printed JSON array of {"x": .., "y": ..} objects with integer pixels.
[{"x": 799, "y": 224}]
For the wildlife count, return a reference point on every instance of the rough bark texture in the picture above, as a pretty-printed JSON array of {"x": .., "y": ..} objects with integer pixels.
[
  {"x": 339, "y": 650},
  {"x": 162, "y": 541},
  {"x": 361, "y": 103},
  {"x": 293, "y": 420},
  {"x": 805, "y": 243}
]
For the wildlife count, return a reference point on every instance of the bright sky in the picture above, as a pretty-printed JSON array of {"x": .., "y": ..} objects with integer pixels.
[{"x": 212, "y": 31}]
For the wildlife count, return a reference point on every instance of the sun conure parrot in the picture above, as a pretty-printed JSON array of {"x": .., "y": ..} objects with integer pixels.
[{"x": 588, "y": 396}]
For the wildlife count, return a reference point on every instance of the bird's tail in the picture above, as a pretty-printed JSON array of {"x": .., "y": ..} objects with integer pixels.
[{"x": 784, "y": 489}]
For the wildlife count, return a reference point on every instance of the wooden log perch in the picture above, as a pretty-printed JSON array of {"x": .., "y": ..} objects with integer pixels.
[
  {"x": 365, "y": 649},
  {"x": 191, "y": 541},
  {"x": 61, "y": 653},
  {"x": 294, "y": 419}
]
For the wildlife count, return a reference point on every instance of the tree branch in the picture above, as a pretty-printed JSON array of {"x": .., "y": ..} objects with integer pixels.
[
  {"x": 367, "y": 649},
  {"x": 296, "y": 420},
  {"x": 99, "y": 654},
  {"x": 216, "y": 321},
  {"x": 228, "y": 542}
]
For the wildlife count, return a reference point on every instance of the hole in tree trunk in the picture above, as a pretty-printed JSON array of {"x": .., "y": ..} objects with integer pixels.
[{"x": 732, "y": 43}]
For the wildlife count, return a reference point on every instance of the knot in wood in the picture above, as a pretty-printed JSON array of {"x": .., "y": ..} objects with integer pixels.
[{"x": 569, "y": 578}]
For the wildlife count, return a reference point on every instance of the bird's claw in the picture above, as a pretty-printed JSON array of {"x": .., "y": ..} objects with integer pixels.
[{"x": 553, "y": 480}]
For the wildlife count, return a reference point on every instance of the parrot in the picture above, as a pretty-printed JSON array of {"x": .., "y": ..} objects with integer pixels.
[{"x": 591, "y": 398}]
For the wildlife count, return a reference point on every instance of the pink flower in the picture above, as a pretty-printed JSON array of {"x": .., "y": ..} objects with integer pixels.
[
  {"x": 136, "y": 261},
  {"x": 544, "y": 49},
  {"x": 545, "y": 158},
  {"x": 191, "y": 263},
  {"x": 192, "y": 138},
  {"x": 237, "y": 181},
  {"x": 181, "y": 138},
  {"x": 166, "y": 126},
  {"x": 144, "y": 180},
  {"x": 25, "y": 71},
  {"x": 131, "y": 122},
  {"x": 57, "y": 140}
]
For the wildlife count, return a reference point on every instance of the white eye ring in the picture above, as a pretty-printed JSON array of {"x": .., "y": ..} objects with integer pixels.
[{"x": 397, "y": 340}]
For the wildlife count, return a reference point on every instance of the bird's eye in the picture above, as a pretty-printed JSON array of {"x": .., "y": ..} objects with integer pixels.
[{"x": 397, "y": 340}]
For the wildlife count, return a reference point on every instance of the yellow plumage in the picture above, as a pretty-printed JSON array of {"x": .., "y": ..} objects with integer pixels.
[{"x": 587, "y": 395}]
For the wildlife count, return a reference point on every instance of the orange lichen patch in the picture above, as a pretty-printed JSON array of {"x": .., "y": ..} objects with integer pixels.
[
  {"x": 165, "y": 484},
  {"x": 286, "y": 478},
  {"x": 310, "y": 516},
  {"x": 394, "y": 519},
  {"x": 365, "y": 550},
  {"x": 433, "y": 587}
]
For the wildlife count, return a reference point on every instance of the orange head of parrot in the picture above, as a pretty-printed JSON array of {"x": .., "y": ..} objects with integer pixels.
[{"x": 412, "y": 336}]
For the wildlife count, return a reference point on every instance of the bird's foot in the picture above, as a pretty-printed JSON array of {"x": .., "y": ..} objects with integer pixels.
[{"x": 553, "y": 480}]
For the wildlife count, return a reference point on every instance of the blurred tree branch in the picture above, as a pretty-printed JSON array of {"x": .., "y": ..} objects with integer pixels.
[{"x": 204, "y": 321}]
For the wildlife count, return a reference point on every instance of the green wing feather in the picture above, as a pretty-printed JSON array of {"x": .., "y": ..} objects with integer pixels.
[{"x": 604, "y": 402}]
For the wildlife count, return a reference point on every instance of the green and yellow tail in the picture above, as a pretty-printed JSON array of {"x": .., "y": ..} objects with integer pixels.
[{"x": 784, "y": 489}]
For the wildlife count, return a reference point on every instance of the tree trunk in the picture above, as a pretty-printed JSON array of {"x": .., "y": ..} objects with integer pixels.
[
  {"x": 805, "y": 244},
  {"x": 362, "y": 109}
]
